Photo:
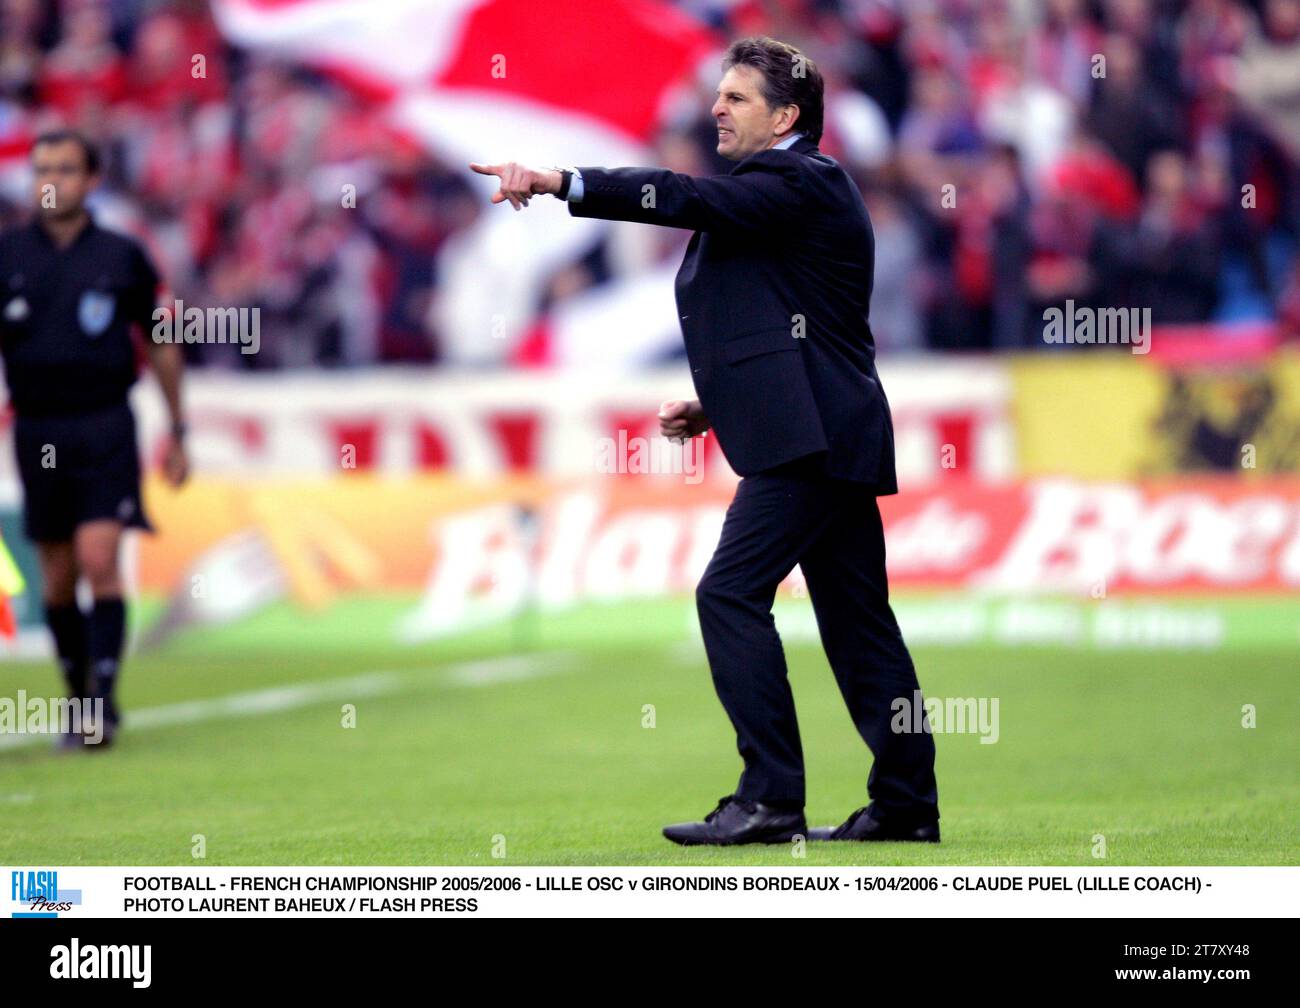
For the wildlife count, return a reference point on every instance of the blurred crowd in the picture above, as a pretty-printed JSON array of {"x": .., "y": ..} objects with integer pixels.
[{"x": 1013, "y": 155}]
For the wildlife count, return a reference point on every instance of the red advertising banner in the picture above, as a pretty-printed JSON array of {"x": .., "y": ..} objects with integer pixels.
[{"x": 635, "y": 536}]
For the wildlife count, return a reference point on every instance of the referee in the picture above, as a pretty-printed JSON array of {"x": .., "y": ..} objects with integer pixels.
[{"x": 70, "y": 293}]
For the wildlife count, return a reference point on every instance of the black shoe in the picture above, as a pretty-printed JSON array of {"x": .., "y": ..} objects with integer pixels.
[
  {"x": 106, "y": 736},
  {"x": 861, "y": 826},
  {"x": 68, "y": 741},
  {"x": 738, "y": 821},
  {"x": 105, "y": 727}
]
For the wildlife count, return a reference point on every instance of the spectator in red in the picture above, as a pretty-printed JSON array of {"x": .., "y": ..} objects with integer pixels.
[{"x": 85, "y": 73}]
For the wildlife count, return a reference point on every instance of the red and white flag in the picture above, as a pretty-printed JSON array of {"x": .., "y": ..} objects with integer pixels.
[{"x": 563, "y": 82}]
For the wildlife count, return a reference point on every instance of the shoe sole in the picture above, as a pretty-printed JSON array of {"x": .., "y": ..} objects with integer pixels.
[
  {"x": 825, "y": 833},
  {"x": 105, "y": 742},
  {"x": 782, "y": 838}
]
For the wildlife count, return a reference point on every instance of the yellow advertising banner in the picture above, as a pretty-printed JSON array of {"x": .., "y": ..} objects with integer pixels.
[{"x": 1121, "y": 416}]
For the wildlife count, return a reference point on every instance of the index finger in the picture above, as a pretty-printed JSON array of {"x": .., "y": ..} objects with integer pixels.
[{"x": 486, "y": 169}]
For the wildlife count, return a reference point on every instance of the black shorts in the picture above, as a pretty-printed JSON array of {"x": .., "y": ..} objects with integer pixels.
[{"x": 78, "y": 468}]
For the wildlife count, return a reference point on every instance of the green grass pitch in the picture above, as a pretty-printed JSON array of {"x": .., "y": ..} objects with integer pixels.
[{"x": 536, "y": 732}]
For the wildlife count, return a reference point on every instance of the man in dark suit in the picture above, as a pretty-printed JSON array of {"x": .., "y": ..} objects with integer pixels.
[{"x": 773, "y": 296}]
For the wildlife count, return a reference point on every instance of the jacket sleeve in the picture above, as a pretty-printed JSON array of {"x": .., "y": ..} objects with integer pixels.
[
  {"x": 766, "y": 194},
  {"x": 145, "y": 292}
]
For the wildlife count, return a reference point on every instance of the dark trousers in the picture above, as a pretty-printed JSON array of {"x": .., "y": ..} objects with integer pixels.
[{"x": 796, "y": 514}]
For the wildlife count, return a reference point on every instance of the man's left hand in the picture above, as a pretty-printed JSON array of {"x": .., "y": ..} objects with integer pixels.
[
  {"x": 176, "y": 463},
  {"x": 520, "y": 183}
]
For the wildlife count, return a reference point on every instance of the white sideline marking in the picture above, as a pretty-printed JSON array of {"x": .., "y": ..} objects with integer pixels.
[
  {"x": 267, "y": 701},
  {"x": 490, "y": 671},
  {"x": 483, "y": 672}
]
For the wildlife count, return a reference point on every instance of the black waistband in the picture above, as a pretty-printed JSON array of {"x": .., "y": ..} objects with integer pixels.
[{"x": 80, "y": 410}]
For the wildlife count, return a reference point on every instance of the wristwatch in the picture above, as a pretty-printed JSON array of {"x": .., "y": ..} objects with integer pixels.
[{"x": 566, "y": 179}]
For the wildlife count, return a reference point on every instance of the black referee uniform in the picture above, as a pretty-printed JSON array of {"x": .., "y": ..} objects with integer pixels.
[{"x": 65, "y": 331}]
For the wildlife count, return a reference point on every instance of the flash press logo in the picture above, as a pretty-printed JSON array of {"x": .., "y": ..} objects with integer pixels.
[
  {"x": 39, "y": 895},
  {"x": 75, "y": 961}
]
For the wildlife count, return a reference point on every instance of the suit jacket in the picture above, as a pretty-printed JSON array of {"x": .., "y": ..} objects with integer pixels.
[{"x": 773, "y": 295}]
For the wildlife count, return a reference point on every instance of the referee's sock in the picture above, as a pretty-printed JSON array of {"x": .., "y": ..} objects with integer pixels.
[
  {"x": 67, "y": 626},
  {"x": 107, "y": 632}
]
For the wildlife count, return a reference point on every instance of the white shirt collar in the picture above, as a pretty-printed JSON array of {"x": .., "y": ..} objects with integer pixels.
[{"x": 795, "y": 135}]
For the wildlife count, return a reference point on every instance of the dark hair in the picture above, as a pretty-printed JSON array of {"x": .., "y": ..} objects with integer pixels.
[
  {"x": 58, "y": 136},
  {"x": 789, "y": 78}
]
